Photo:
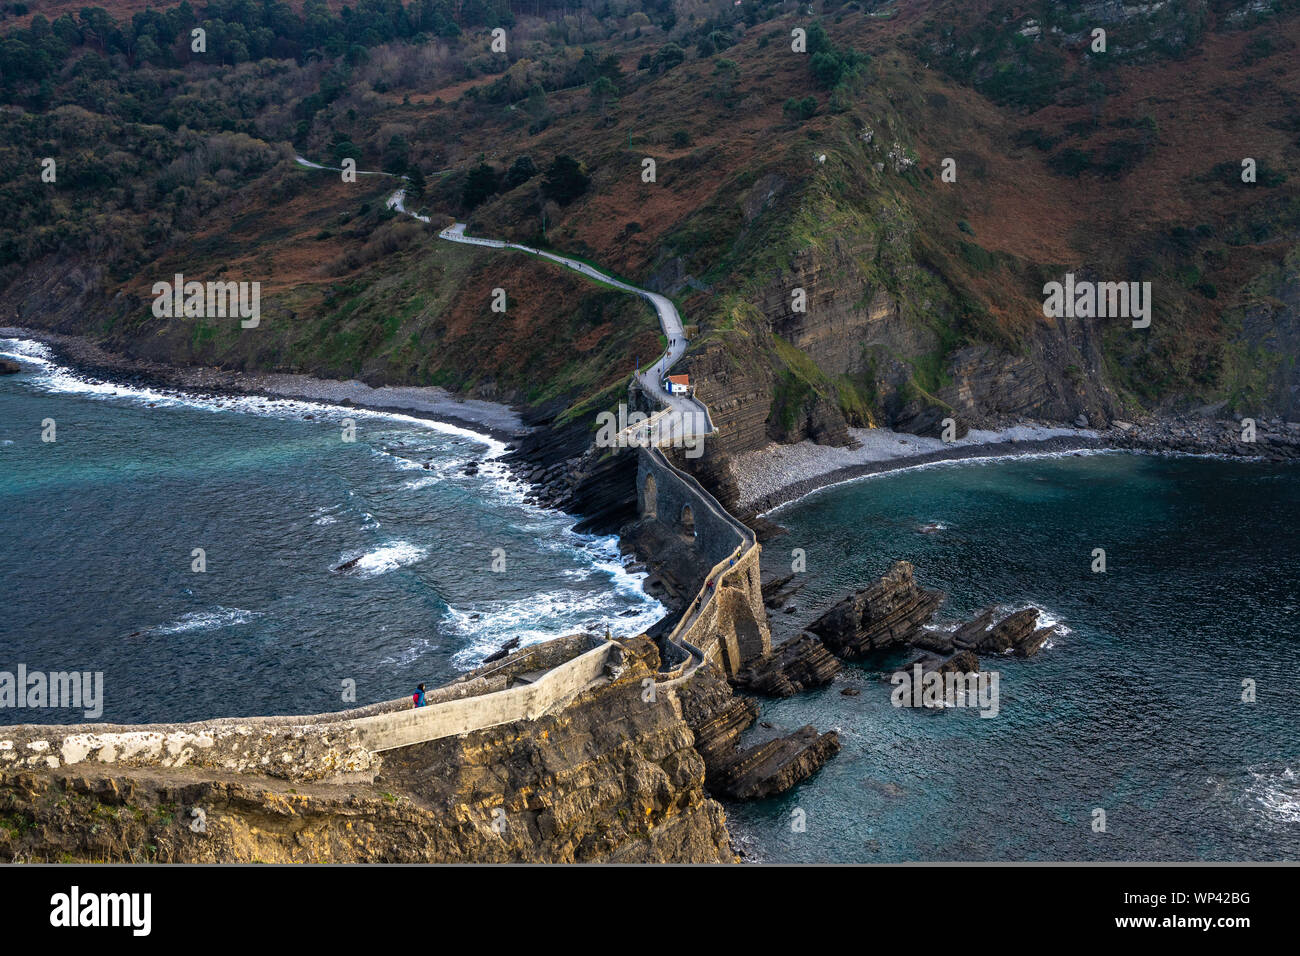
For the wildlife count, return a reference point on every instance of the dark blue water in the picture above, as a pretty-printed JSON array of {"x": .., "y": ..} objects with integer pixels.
[
  {"x": 99, "y": 528},
  {"x": 1135, "y": 706}
]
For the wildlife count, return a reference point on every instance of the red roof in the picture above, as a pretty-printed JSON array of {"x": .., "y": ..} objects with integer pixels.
[{"x": 680, "y": 379}]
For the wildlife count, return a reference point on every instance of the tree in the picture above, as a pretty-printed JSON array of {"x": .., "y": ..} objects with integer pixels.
[
  {"x": 520, "y": 171},
  {"x": 415, "y": 184},
  {"x": 566, "y": 180},
  {"x": 668, "y": 56},
  {"x": 602, "y": 90},
  {"x": 396, "y": 154},
  {"x": 480, "y": 184},
  {"x": 728, "y": 73},
  {"x": 796, "y": 111}
]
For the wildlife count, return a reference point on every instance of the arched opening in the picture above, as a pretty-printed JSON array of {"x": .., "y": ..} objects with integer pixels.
[
  {"x": 648, "y": 499},
  {"x": 688, "y": 521}
]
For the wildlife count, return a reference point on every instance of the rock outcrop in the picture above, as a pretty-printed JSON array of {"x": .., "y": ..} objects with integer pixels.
[
  {"x": 9, "y": 367},
  {"x": 777, "y": 765},
  {"x": 779, "y": 591},
  {"x": 887, "y": 614},
  {"x": 718, "y": 717},
  {"x": 608, "y": 777},
  {"x": 797, "y": 665},
  {"x": 1018, "y": 632}
]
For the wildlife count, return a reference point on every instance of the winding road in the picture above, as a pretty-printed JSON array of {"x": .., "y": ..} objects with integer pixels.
[
  {"x": 682, "y": 417},
  {"x": 687, "y": 417}
]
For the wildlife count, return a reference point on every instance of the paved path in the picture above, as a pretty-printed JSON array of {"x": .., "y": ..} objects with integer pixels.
[
  {"x": 682, "y": 415},
  {"x": 689, "y": 416}
]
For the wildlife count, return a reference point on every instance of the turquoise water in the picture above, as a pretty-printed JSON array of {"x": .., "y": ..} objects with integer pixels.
[
  {"x": 100, "y": 527},
  {"x": 1135, "y": 705}
]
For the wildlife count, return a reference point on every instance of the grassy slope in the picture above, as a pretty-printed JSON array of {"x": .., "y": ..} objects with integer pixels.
[{"x": 363, "y": 294}]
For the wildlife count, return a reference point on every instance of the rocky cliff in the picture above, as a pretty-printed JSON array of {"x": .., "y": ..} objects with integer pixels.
[{"x": 609, "y": 777}]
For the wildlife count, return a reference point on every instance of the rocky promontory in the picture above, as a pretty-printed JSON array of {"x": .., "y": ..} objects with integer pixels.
[
  {"x": 610, "y": 776},
  {"x": 718, "y": 718}
]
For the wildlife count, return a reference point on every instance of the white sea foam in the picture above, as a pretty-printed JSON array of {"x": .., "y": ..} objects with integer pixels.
[
  {"x": 562, "y": 612},
  {"x": 486, "y": 625},
  {"x": 1274, "y": 793},
  {"x": 388, "y": 557},
  {"x": 58, "y": 378},
  {"x": 204, "y": 621}
]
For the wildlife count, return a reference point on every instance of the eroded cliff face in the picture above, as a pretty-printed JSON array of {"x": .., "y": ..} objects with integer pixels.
[
  {"x": 611, "y": 776},
  {"x": 861, "y": 354}
]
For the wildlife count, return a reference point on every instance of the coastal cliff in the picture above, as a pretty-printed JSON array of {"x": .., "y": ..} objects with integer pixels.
[{"x": 609, "y": 777}]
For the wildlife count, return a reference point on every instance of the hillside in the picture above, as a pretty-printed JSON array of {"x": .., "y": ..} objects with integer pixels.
[{"x": 774, "y": 171}]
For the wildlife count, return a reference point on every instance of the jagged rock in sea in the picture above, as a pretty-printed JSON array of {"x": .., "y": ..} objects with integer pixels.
[
  {"x": 1018, "y": 632},
  {"x": 797, "y": 665},
  {"x": 8, "y": 367},
  {"x": 937, "y": 641},
  {"x": 718, "y": 717},
  {"x": 963, "y": 662},
  {"x": 777, "y": 591},
  {"x": 886, "y": 614},
  {"x": 777, "y": 765}
]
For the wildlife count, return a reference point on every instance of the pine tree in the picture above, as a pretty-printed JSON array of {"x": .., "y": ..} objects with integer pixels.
[{"x": 415, "y": 184}]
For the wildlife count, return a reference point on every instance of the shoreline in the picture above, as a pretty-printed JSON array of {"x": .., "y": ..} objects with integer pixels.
[
  {"x": 793, "y": 472},
  {"x": 78, "y": 359},
  {"x": 493, "y": 420},
  {"x": 766, "y": 505}
]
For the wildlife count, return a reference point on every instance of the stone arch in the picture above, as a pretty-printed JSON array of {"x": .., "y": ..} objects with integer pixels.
[
  {"x": 688, "y": 520},
  {"x": 649, "y": 503}
]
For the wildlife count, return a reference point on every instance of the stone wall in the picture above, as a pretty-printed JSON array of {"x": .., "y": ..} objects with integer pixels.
[
  {"x": 730, "y": 626},
  {"x": 305, "y": 748},
  {"x": 678, "y": 500},
  {"x": 725, "y": 624}
]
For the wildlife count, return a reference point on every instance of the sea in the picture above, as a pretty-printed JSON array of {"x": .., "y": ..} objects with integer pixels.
[
  {"x": 1160, "y": 722},
  {"x": 188, "y": 547}
]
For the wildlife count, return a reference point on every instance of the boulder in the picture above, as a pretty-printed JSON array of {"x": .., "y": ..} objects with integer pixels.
[
  {"x": 887, "y": 614},
  {"x": 718, "y": 717},
  {"x": 777, "y": 765},
  {"x": 9, "y": 367}
]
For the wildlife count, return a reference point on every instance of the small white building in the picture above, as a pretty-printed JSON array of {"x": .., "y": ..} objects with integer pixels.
[{"x": 677, "y": 384}]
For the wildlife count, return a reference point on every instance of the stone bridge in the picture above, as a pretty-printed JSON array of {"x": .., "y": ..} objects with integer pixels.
[{"x": 726, "y": 623}]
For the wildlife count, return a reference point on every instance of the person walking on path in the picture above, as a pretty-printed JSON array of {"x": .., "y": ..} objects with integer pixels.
[{"x": 418, "y": 696}]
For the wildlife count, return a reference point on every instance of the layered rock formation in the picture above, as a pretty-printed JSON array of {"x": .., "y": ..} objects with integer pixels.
[
  {"x": 797, "y": 665},
  {"x": 610, "y": 776},
  {"x": 776, "y": 765},
  {"x": 1018, "y": 632},
  {"x": 718, "y": 718},
  {"x": 889, "y": 613}
]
